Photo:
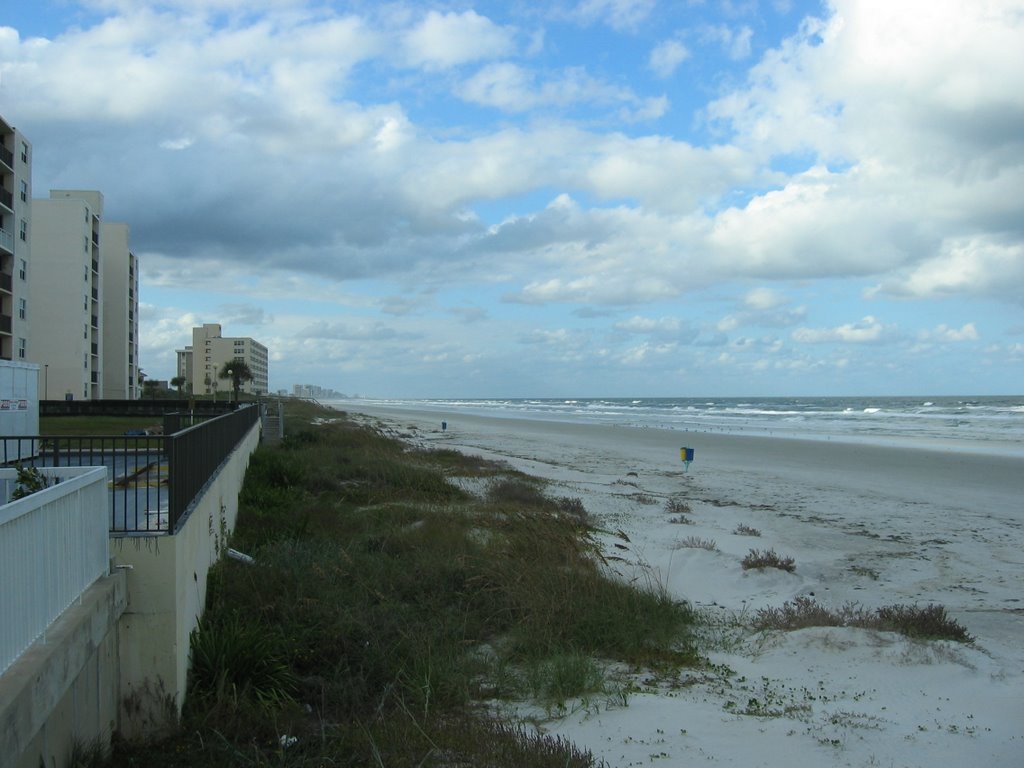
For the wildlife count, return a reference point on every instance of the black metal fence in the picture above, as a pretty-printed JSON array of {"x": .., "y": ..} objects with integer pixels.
[
  {"x": 152, "y": 479},
  {"x": 155, "y": 408}
]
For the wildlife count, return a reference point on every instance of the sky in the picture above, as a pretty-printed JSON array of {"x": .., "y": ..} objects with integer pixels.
[{"x": 574, "y": 198}]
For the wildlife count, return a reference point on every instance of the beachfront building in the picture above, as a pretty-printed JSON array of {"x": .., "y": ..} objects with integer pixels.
[
  {"x": 120, "y": 279},
  {"x": 84, "y": 298},
  {"x": 15, "y": 245},
  {"x": 316, "y": 392},
  {"x": 200, "y": 363}
]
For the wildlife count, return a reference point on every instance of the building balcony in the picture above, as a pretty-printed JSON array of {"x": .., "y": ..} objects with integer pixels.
[
  {"x": 5, "y": 324},
  {"x": 7, "y": 199},
  {"x": 6, "y": 284},
  {"x": 7, "y": 157},
  {"x": 7, "y": 241},
  {"x": 95, "y": 321}
]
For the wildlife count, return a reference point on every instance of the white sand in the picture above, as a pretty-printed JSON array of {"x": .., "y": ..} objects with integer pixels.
[{"x": 874, "y": 525}]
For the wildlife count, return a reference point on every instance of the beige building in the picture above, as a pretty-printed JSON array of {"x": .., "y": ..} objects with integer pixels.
[
  {"x": 15, "y": 229},
  {"x": 84, "y": 298},
  {"x": 120, "y": 321},
  {"x": 200, "y": 363}
]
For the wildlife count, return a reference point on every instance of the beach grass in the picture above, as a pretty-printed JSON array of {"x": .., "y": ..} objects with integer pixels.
[
  {"x": 387, "y": 608},
  {"x": 929, "y": 622},
  {"x": 768, "y": 558}
]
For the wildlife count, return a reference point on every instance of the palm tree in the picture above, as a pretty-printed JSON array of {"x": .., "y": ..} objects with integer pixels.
[
  {"x": 178, "y": 382},
  {"x": 237, "y": 371}
]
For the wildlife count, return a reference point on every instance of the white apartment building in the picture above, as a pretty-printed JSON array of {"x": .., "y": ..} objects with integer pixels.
[
  {"x": 66, "y": 294},
  {"x": 15, "y": 246},
  {"x": 120, "y": 320},
  {"x": 200, "y": 363}
]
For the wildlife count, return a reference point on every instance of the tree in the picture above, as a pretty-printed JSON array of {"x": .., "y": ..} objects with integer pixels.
[
  {"x": 238, "y": 372},
  {"x": 178, "y": 382}
]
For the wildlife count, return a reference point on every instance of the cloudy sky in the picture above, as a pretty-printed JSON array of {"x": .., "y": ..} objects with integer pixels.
[{"x": 567, "y": 198}]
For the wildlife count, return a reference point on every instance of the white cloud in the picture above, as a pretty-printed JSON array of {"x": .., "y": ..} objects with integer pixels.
[
  {"x": 735, "y": 42},
  {"x": 974, "y": 266},
  {"x": 943, "y": 332},
  {"x": 617, "y": 14},
  {"x": 866, "y": 331},
  {"x": 638, "y": 324},
  {"x": 515, "y": 88},
  {"x": 443, "y": 40},
  {"x": 764, "y": 298},
  {"x": 667, "y": 56}
]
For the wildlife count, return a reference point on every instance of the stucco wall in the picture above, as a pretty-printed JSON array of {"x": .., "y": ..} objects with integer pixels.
[
  {"x": 63, "y": 691},
  {"x": 167, "y": 578}
]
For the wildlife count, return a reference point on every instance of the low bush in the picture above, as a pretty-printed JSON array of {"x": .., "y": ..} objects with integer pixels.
[
  {"x": 767, "y": 559},
  {"x": 232, "y": 659},
  {"x": 929, "y": 622},
  {"x": 516, "y": 491},
  {"x": 573, "y": 508},
  {"x": 695, "y": 542},
  {"x": 745, "y": 530},
  {"x": 677, "y": 506}
]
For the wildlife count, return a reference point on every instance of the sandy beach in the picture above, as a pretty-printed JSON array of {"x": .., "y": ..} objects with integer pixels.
[{"x": 878, "y": 525}]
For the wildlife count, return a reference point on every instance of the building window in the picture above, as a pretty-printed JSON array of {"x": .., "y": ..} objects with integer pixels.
[
  {"x": 85, "y": 330},
  {"x": 23, "y": 270},
  {"x": 23, "y": 233},
  {"x": 85, "y": 243},
  {"x": 22, "y": 308},
  {"x": 21, "y": 347},
  {"x": 24, "y": 191},
  {"x": 24, "y": 152}
]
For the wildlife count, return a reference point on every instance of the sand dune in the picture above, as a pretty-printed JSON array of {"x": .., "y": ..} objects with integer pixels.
[{"x": 878, "y": 525}]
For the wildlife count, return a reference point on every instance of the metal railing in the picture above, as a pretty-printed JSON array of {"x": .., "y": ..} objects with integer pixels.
[
  {"x": 152, "y": 479},
  {"x": 195, "y": 453},
  {"x": 53, "y": 546}
]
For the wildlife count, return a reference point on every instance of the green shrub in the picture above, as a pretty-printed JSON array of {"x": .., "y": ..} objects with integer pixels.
[{"x": 231, "y": 659}]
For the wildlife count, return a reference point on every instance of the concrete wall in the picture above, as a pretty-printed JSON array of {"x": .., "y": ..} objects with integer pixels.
[
  {"x": 167, "y": 578},
  {"x": 63, "y": 690}
]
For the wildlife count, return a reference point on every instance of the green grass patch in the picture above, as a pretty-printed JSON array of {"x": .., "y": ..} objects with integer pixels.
[{"x": 378, "y": 584}]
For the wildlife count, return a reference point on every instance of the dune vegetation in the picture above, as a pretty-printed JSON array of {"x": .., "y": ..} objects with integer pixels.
[{"x": 389, "y": 612}]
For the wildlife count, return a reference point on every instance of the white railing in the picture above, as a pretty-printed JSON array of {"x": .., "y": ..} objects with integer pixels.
[
  {"x": 7, "y": 240},
  {"x": 53, "y": 545}
]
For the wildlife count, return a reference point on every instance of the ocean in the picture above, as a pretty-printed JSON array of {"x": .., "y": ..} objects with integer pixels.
[{"x": 987, "y": 424}]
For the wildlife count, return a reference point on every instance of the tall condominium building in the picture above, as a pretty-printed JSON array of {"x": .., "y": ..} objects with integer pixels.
[
  {"x": 120, "y": 321},
  {"x": 15, "y": 245},
  {"x": 200, "y": 363},
  {"x": 84, "y": 299}
]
